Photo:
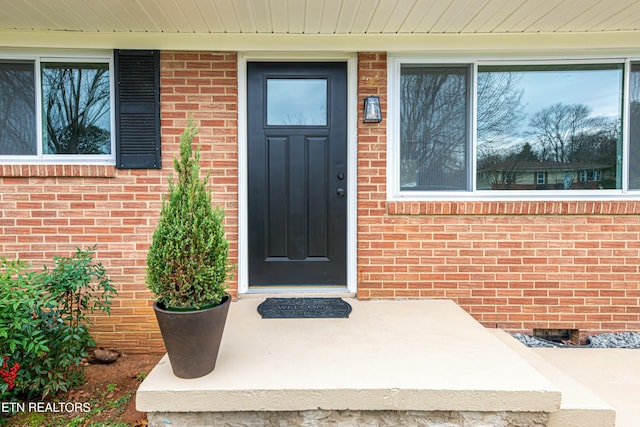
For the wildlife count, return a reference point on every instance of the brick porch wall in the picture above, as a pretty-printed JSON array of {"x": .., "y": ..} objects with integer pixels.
[
  {"x": 512, "y": 265},
  {"x": 48, "y": 210}
]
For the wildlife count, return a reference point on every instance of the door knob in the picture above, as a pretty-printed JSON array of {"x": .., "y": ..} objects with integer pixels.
[{"x": 340, "y": 192}]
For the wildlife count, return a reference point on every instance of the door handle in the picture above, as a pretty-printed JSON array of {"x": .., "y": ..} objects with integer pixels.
[{"x": 340, "y": 192}]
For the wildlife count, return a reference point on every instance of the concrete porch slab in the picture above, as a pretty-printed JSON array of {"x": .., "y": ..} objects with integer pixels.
[
  {"x": 423, "y": 355},
  {"x": 580, "y": 406},
  {"x": 613, "y": 374}
]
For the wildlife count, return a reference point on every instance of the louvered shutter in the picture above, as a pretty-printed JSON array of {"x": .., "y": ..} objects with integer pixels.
[{"x": 137, "y": 109}]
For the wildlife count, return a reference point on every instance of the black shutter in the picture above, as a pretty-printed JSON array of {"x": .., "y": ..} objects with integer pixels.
[{"x": 137, "y": 109}]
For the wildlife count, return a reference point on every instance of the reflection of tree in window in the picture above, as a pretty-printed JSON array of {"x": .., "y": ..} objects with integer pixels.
[
  {"x": 76, "y": 108},
  {"x": 569, "y": 133},
  {"x": 433, "y": 114},
  {"x": 499, "y": 114},
  {"x": 17, "y": 109},
  {"x": 634, "y": 127},
  {"x": 499, "y": 107},
  {"x": 562, "y": 138}
]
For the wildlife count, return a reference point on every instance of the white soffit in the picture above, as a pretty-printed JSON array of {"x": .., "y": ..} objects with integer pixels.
[{"x": 359, "y": 22}]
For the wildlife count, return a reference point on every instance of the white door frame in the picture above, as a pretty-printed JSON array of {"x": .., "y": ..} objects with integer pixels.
[{"x": 352, "y": 163}]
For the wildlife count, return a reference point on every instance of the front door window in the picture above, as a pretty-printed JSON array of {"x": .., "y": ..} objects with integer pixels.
[{"x": 296, "y": 102}]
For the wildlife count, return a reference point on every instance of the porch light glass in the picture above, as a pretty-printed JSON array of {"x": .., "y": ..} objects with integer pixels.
[{"x": 372, "y": 111}]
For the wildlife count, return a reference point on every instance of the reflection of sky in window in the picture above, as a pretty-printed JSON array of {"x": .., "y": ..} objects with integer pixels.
[
  {"x": 297, "y": 102},
  {"x": 597, "y": 86},
  {"x": 599, "y": 89}
]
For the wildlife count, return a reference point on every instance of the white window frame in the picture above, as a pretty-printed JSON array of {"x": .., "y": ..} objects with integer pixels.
[
  {"x": 394, "y": 192},
  {"x": 76, "y": 58}
]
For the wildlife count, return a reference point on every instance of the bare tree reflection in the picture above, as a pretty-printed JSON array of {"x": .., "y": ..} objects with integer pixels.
[
  {"x": 434, "y": 127},
  {"x": 564, "y": 146},
  {"x": 434, "y": 113},
  {"x": 634, "y": 128},
  {"x": 76, "y": 106},
  {"x": 17, "y": 109},
  {"x": 563, "y": 131}
]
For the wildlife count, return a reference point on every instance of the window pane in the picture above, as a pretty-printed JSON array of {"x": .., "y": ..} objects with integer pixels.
[
  {"x": 297, "y": 102},
  {"x": 76, "y": 118},
  {"x": 17, "y": 109},
  {"x": 634, "y": 127},
  {"x": 560, "y": 122},
  {"x": 433, "y": 128}
]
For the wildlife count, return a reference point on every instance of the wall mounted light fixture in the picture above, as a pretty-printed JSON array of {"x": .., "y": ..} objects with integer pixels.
[{"x": 372, "y": 110}]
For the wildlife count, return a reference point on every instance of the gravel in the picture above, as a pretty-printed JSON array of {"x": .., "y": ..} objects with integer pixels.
[{"x": 620, "y": 340}]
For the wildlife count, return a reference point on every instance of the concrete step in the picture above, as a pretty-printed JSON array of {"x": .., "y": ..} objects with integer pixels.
[
  {"x": 579, "y": 406},
  {"x": 427, "y": 356}
]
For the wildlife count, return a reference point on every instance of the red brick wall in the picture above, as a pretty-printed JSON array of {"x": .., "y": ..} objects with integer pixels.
[
  {"x": 513, "y": 265},
  {"x": 48, "y": 210},
  {"x": 205, "y": 86}
]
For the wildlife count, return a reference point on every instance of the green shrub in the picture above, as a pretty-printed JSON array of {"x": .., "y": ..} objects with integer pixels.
[
  {"x": 22, "y": 327},
  {"x": 44, "y": 323},
  {"x": 187, "y": 263}
]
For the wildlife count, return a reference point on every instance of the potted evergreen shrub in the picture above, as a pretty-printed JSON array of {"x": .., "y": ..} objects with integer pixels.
[{"x": 187, "y": 267}]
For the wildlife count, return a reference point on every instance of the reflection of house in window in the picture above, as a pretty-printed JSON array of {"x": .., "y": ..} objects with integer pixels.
[
  {"x": 509, "y": 177},
  {"x": 548, "y": 175},
  {"x": 590, "y": 175}
]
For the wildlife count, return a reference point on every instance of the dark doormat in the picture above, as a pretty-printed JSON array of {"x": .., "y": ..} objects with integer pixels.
[{"x": 305, "y": 308}]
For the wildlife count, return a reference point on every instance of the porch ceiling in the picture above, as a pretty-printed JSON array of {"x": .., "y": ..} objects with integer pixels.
[{"x": 321, "y": 17}]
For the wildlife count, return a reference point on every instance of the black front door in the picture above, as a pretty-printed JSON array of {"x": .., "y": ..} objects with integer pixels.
[{"x": 297, "y": 166}]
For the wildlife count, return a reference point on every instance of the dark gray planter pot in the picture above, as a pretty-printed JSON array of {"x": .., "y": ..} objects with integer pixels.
[{"x": 192, "y": 338}]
